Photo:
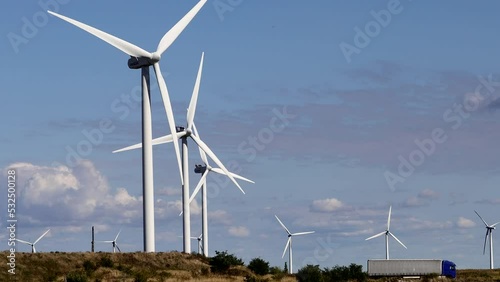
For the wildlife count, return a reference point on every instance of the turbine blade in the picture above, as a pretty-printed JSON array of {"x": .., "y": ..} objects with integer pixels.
[
  {"x": 118, "y": 248},
  {"x": 177, "y": 29},
  {"x": 116, "y": 238},
  {"x": 22, "y": 241},
  {"x": 389, "y": 218},
  {"x": 34, "y": 249},
  {"x": 493, "y": 225},
  {"x": 485, "y": 239},
  {"x": 105, "y": 241},
  {"x": 198, "y": 187},
  {"x": 393, "y": 236},
  {"x": 124, "y": 46},
  {"x": 41, "y": 236},
  {"x": 486, "y": 224},
  {"x": 283, "y": 225},
  {"x": 286, "y": 246},
  {"x": 302, "y": 233},
  {"x": 220, "y": 171},
  {"x": 170, "y": 114},
  {"x": 375, "y": 236},
  {"x": 194, "y": 98},
  {"x": 202, "y": 154},
  {"x": 156, "y": 141},
  {"x": 211, "y": 154}
]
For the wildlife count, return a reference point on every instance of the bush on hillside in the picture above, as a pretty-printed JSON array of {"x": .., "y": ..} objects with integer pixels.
[
  {"x": 259, "y": 266},
  {"x": 222, "y": 261}
]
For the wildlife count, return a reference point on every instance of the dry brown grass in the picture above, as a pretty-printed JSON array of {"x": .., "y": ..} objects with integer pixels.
[{"x": 171, "y": 266}]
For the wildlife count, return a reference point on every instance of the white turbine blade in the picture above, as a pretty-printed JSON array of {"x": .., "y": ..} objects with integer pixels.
[
  {"x": 34, "y": 249},
  {"x": 486, "y": 224},
  {"x": 170, "y": 114},
  {"x": 198, "y": 187},
  {"x": 393, "y": 236},
  {"x": 375, "y": 236},
  {"x": 124, "y": 46},
  {"x": 283, "y": 225},
  {"x": 156, "y": 141},
  {"x": 202, "y": 154},
  {"x": 286, "y": 246},
  {"x": 194, "y": 98},
  {"x": 485, "y": 239},
  {"x": 302, "y": 233},
  {"x": 118, "y": 248},
  {"x": 389, "y": 218},
  {"x": 220, "y": 171},
  {"x": 41, "y": 236},
  {"x": 211, "y": 154},
  {"x": 493, "y": 225},
  {"x": 22, "y": 241},
  {"x": 116, "y": 238},
  {"x": 111, "y": 241},
  {"x": 177, "y": 29}
]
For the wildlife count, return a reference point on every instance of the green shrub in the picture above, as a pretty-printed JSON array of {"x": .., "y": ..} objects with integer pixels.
[
  {"x": 222, "y": 261},
  {"x": 106, "y": 262},
  {"x": 310, "y": 273},
  {"x": 76, "y": 276},
  {"x": 345, "y": 273},
  {"x": 259, "y": 266}
]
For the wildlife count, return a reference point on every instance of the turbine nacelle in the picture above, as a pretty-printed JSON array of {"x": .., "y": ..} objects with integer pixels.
[
  {"x": 200, "y": 168},
  {"x": 142, "y": 62}
]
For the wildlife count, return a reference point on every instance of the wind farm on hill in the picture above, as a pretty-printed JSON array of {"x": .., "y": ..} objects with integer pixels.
[{"x": 111, "y": 258}]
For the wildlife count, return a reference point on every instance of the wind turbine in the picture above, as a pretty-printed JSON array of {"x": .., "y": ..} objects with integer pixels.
[
  {"x": 289, "y": 244},
  {"x": 141, "y": 59},
  {"x": 387, "y": 232},
  {"x": 200, "y": 245},
  {"x": 489, "y": 232},
  {"x": 33, "y": 250},
  {"x": 113, "y": 242},
  {"x": 183, "y": 133}
]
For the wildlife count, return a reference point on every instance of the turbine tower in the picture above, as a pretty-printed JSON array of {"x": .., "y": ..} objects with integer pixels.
[
  {"x": 489, "y": 233},
  {"x": 33, "y": 249},
  {"x": 289, "y": 244},
  {"x": 183, "y": 133},
  {"x": 387, "y": 233},
  {"x": 141, "y": 59}
]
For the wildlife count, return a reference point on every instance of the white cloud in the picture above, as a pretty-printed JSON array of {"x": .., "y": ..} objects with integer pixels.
[
  {"x": 463, "y": 222},
  {"x": 428, "y": 194},
  {"x": 238, "y": 231},
  {"x": 326, "y": 205},
  {"x": 219, "y": 216},
  {"x": 53, "y": 195}
]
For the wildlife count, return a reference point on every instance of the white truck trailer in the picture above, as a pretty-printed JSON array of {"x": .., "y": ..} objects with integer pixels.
[{"x": 411, "y": 267}]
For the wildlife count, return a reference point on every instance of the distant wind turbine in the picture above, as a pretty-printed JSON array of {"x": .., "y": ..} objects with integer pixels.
[
  {"x": 289, "y": 244},
  {"x": 387, "y": 233},
  {"x": 113, "y": 242},
  {"x": 33, "y": 250},
  {"x": 489, "y": 232}
]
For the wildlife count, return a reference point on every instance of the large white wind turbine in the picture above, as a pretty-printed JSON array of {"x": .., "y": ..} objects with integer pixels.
[
  {"x": 387, "y": 233},
  {"x": 33, "y": 250},
  {"x": 489, "y": 232},
  {"x": 141, "y": 59},
  {"x": 183, "y": 133},
  {"x": 289, "y": 244},
  {"x": 113, "y": 242}
]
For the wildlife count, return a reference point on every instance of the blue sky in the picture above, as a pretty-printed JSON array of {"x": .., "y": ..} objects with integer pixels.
[{"x": 426, "y": 74}]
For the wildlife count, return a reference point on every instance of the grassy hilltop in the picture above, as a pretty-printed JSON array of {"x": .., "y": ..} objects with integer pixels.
[{"x": 171, "y": 266}]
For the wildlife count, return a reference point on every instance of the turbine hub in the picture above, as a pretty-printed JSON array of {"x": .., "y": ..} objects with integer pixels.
[
  {"x": 141, "y": 62},
  {"x": 200, "y": 168}
]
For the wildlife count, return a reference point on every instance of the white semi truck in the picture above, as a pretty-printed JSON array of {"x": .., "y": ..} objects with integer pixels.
[{"x": 411, "y": 267}]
